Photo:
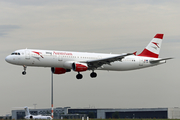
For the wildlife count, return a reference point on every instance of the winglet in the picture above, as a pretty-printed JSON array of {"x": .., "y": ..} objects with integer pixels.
[{"x": 135, "y": 53}]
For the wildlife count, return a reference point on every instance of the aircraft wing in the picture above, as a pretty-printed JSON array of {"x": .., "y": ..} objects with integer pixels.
[
  {"x": 94, "y": 64},
  {"x": 156, "y": 61}
]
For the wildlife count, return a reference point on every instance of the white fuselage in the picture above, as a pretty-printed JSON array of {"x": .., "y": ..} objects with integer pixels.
[
  {"x": 38, "y": 117},
  {"x": 65, "y": 61},
  {"x": 49, "y": 58}
]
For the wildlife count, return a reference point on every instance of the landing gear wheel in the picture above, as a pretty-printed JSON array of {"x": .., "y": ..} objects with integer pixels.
[
  {"x": 79, "y": 76},
  {"x": 93, "y": 75},
  {"x": 24, "y": 72}
]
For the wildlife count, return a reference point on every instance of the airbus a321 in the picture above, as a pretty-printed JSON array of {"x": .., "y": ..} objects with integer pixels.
[{"x": 61, "y": 62}]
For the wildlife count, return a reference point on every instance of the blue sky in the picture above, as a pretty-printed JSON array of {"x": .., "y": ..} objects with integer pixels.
[{"x": 93, "y": 26}]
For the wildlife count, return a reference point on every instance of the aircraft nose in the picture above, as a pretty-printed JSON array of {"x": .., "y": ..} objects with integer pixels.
[{"x": 8, "y": 59}]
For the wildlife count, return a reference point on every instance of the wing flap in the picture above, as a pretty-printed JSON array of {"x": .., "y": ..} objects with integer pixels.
[{"x": 94, "y": 64}]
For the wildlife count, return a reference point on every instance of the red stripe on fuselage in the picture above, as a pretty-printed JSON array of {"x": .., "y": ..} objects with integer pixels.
[
  {"x": 147, "y": 53},
  {"x": 38, "y": 53}
]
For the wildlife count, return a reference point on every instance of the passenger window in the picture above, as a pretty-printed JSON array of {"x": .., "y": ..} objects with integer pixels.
[{"x": 18, "y": 53}]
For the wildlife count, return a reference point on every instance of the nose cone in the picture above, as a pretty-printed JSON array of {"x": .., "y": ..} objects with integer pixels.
[{"x": 8, "y": 59}]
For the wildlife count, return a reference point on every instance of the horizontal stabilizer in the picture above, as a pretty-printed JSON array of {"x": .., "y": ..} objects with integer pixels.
[{"x": 156, "y": 61}]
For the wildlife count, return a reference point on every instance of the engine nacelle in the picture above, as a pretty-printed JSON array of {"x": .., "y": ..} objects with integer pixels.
[
  {"x": 59, "y": 70},
  {"x": 31, "y": 117},
  {"x": 79, "y": 67},
  {"x": 68, "y": 64}
]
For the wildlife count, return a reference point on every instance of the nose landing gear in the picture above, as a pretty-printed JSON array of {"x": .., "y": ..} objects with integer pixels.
[{"x": 24, "y": 72}]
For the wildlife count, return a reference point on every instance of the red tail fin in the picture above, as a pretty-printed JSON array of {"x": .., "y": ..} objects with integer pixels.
[{"x": 153, "y": 48}]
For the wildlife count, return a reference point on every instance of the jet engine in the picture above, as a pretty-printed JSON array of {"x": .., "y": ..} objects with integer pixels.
[
  {"x": 79, "y": 67},
  {"x": 59, "y": 70}
]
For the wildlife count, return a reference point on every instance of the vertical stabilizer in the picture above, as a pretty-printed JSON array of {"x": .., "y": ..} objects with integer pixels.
[
  {"x": 27, "y": 111},
  {"x": 153, "y": 48}
]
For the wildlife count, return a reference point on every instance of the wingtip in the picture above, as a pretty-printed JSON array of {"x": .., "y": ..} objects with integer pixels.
[
  {"x": 128, "y": 54},
  {"x": 135, "y": 53}
]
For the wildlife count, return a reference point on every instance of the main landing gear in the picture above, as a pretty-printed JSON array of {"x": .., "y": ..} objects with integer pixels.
[
  {"x": 80, "y": 76},
  {"x": 93, "y": 74},
  {"x": 24, "y": 72}
]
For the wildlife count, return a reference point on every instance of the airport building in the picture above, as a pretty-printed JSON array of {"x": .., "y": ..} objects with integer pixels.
[
  {"x": 59, "y": 113},
  {"x": 102, "y": 113}
]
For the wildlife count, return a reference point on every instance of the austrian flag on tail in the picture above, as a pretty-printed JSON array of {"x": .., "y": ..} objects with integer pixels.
[{"x": 153, "y": 48}]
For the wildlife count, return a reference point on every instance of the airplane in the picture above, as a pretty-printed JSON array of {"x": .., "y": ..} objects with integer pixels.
[
  {"x": 61, "y": 62},
  {"x": 29, "y": 116}
]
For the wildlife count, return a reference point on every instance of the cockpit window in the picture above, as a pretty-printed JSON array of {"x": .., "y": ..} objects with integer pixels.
[{"x": 15, "y": 53}]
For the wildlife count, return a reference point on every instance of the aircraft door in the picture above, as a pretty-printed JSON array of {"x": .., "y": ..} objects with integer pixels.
[
  {"x": 140, "y": 61},
  {"x": 27, "y": 54},
  {"x": 60, "y": 58}
]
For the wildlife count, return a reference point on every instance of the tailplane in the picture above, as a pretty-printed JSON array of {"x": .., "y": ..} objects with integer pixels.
[{"x": 153, "y": 48}]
